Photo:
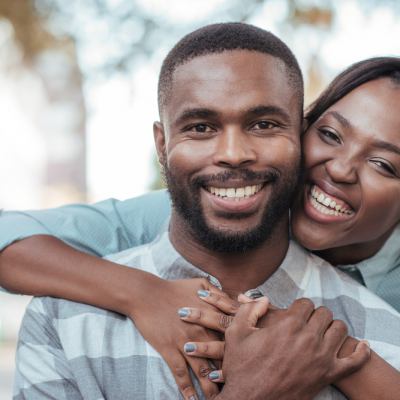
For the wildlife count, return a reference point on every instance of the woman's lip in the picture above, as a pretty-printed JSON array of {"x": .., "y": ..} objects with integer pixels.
[
  {"x": 246, "y": 204},
  {"x": 332, "y": 191},
  {"x": 312, "y": 211},
  {"x": 327, "y": 200}
]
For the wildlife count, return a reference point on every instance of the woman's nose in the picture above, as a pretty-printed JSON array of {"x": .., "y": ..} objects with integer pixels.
[{"x": 341, "y": 170}]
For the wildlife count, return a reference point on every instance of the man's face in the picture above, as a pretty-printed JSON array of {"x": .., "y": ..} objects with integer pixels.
[{"x": 229, "y": 145}]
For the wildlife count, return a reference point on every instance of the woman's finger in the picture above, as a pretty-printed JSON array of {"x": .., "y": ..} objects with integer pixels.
[
  {"x": 180, "y": 371},
  {"x": 213, "y": 350},
  {"x": 206, "y": 318},
  {"x": 216, "y": 376},
  {"x": 218, "y": 299},
  {"x": 201, "y": 368}
]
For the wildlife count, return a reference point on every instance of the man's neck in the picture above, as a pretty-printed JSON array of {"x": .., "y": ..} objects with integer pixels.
[{"x": 237, "y": 272}]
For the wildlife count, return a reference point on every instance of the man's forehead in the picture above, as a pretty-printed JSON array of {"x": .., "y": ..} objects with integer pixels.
[
  {"x": 232, "y": 81},
  {"x": 231, "y": 64}
]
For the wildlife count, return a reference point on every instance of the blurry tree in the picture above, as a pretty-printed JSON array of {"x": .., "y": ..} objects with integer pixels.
[{"x": 53, "y": 59}]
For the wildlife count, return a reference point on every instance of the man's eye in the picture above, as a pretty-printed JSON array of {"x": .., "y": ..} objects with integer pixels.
[
  {"x": 384, "y": 166},
  {"x": 265, "y": 125},
  {"x": 329, "y": 136},
  {"x": 200, "y": 128}
]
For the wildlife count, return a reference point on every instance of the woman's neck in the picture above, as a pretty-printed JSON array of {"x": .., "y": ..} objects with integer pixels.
[{"x": 353, "y": 253}]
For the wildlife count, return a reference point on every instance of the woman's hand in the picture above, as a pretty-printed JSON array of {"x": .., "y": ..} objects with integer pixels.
[{"x": 155, "y": 314}]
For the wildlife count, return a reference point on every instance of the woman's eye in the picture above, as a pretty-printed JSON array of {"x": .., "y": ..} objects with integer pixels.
[
  {"x": 385, "y": 166},
  {"x": 329, "y": 136}
]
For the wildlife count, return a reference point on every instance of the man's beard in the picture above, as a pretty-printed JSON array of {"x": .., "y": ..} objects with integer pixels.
[{"x": 186, "y": 201}]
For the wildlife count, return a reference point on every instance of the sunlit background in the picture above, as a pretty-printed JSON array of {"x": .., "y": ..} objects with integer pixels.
[{"x": 78, "y": 86}]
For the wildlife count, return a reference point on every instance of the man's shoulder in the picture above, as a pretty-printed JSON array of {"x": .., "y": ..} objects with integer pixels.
[{"x": 51, "y": 310}]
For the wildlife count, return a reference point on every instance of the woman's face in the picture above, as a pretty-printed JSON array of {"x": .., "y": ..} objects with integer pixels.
[{"x": 352, "y": 163}]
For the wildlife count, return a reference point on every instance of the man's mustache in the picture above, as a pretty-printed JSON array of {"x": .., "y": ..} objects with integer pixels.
[{"x": 246, "y": 175}]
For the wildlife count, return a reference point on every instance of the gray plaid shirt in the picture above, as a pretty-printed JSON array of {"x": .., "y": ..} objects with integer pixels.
[{"x": 74, "y": 351}]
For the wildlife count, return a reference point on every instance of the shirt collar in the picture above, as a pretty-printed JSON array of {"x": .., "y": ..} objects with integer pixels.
[
  {"x": 374, "y": 269},
  {"x": 282, "y": 287}
]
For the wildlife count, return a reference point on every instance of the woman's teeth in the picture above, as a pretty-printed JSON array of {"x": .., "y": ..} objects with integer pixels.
[
  {"x": 326, "y": 205},
  {"x": 235, "y": 193}
]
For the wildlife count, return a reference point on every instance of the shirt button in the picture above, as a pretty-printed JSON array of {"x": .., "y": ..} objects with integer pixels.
[{"x": 254, "y": 293}]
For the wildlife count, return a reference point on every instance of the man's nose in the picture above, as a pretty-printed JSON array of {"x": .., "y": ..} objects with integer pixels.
[
  {"x": 342, "y": 170},
  {"x": 234, "y": 149}
]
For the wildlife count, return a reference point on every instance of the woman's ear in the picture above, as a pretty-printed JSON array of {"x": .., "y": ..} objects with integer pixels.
[{"x": 159, "y": 140}]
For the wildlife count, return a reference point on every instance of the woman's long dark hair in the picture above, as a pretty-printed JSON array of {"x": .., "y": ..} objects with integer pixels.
[{"x": 352, "y": 77}]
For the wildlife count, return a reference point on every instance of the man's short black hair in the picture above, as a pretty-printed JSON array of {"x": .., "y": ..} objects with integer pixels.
[{"x": 218, "y": 38}]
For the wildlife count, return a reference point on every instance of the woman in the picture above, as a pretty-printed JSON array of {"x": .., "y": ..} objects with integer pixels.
[{"x": 350, "y": 151}]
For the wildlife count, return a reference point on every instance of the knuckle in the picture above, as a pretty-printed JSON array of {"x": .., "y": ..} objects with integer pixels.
[
  {"x": 185, "y": 388},
  {"x": 306, "y": 303},
  {"x": 340, "y": 327},
  {"x": 325, "y": 312},
  {"x": 225, "y": 321},
  {"x": 204, "y": 370},
  {"x": 180, "y": 371}
]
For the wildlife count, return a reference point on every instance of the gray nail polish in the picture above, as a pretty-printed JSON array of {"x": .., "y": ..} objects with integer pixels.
[
  {"x": 183, "y": 312},
  {"x": 213, "y": 375},
  {"x": 203, "y": 293},
  {"x": 189, "y": 347}
]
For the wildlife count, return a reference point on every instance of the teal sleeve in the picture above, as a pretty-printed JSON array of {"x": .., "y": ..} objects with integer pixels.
[{"x": 101, "y": 229}]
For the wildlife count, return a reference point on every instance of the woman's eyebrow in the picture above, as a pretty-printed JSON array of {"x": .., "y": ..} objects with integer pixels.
[
  {"x": 339, "y": 117},
  {"x": 381, "y": 144}
]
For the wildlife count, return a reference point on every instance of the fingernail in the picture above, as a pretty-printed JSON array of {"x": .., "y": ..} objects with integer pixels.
[
  {"x": 183, "y": 312},
  {"x": 203, "y": 293},
  {"x": 213, "y": 375},
  {"x": 189, "y": 347},
  {"x": 193, "y": 398}
]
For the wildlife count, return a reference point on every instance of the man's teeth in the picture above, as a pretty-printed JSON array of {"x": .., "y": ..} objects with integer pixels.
[
  {"x": 235, "y": 193},
  {"x": 326, "y": 205}
]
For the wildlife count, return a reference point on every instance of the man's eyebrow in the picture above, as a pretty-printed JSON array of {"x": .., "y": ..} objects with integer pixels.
[
  {"x": 261, "y": 110},
  {"x": 339, "y": 117},
  {"x": 381, "y": 144},
  {"x": 195, "y": 113}
]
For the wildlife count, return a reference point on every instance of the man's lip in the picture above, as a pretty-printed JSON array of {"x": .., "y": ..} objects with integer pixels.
[
  {"x": 333, "y": 191},
  {"x": 244, "y": 205},
  {"x": 233, "y": 184}
]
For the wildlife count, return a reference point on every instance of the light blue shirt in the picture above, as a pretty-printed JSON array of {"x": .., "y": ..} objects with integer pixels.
[{"x": 112, "y": 226}]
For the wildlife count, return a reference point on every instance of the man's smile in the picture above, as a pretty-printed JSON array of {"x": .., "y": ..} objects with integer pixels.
[
  {"x": 235, "y": 193},
  {"x": 243, "y": 198}
]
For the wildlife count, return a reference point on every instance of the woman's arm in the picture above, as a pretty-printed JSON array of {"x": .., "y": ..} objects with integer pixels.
[
  {"x": 102, "y": 228},
  {"x": 375, "y": 380},
  {"x": 43, "y": 265}
]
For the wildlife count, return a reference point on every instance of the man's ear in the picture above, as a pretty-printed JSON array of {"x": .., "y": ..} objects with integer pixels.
[{"x": 159, "y": 140}]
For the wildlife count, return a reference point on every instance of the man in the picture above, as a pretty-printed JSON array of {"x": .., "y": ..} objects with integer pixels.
[{"x": 230, "y": 101}]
